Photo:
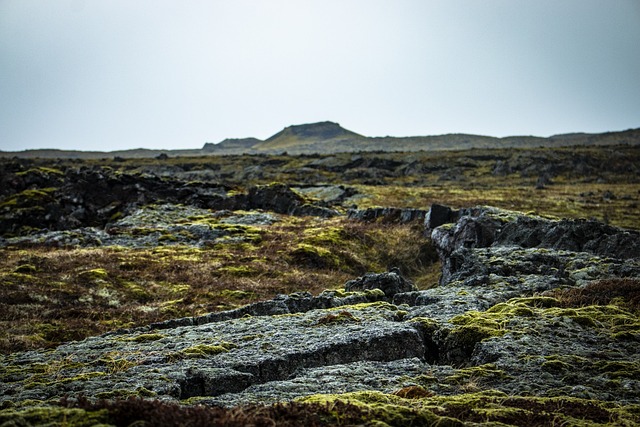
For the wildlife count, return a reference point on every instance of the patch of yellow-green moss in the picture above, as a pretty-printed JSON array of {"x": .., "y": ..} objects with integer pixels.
[
  {"x": 487, "y": 408},
  {"x": 612, "y": 369},
  {"x": 31, "y": 198},
  {"x": 126, "y": 393},
  {"x": 136, "y": 291},
  {"x": 53, "y": 416},
  {"x": 383, "y": 409},
  {"x": 238, "y": 270},
  {"x": 616, "y": 322},
  {"x": 206, "y": 350},
  {"x": 41, "y": 170},
  {"x": 426, "y": 324},
  {"x": 26, "y": 269},
  {"x": 368, "y": 293},
  {"x": 470, "y": 376},
  {"x": 473, "y": 326},
  {"x": 18, "y": 279},
  {"x": 378, "y": 305},
  {"x": 314, "y": 256},
  {"x": 94, "y": 275}
]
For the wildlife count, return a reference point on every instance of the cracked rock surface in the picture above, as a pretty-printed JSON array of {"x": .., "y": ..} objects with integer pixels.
[{"x": 500, "y": 319}]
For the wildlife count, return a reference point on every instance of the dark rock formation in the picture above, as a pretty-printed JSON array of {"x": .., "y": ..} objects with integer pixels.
[
  {"x": 49, "y": 199},
  {"x": 439, "y": 215},
  {"x": 393, "y": 215},
  {"x": 390, "y": 283},
  {"x": 280, "y": 198}
]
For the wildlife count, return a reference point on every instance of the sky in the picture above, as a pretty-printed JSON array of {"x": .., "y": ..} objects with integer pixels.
[{"x": 120, "y": 74}]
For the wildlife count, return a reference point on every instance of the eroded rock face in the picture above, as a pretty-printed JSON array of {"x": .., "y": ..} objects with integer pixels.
[
  {"x": 485, "y": 227},
  {"x": 498, "y": 320},
  {"x": 89, "y": 207}
]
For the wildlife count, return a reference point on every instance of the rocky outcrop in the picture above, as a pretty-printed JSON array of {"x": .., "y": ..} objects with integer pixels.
[
  {"x": 393, "y": 215},
  {"x": 46, "y": 198},
  {"x": 490, "y": 227},
  {"x": 280, "y": 198},
  {"x": 505, "y": 317}
]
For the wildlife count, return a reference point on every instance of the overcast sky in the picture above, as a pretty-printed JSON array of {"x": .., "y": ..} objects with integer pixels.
[{"x": 117, "y": 74}]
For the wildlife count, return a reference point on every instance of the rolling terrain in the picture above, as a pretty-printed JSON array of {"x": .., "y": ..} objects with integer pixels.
[
  {"x": 331, "y": 138},
  {"x": 479, "y": 286}
]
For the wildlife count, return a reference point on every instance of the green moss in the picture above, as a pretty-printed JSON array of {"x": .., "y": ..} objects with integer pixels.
[
  {"x": 537, "y": 302},
  {"x": 115, "y": 362},
  {"x": 471, "y": 374},
  {"x": 368, "y": 294},
  {"x": 126, "y": 393},
  {"x": 612, "y": 320},
  {"x": 619, "y": 368},
  {"x": 26, "y": 269},
  {"x": 172, "y": 307},
  {"x": 16, "y": 279},
  {"x": 116, "y": 216},
  {"x": 427, "y": 325},
  {"x": 205, "y": 350},
  {"x": 238, "y": 270},
  {"x": 52, "y": 416},
  {"x": 96, "y": 274},
  {"x": 33, "y": 199},
  {"x": 487, "y": 324},
  {"x": 326, "y": 236},
  {"x": 41, "y": 170},
  {"x": 136, "y": 291},
  {"x": 314, "y": 256},
  {"x": 555, "y": 364},
  {"x": 488, "y": 407},
  {"x": 511, "y": 309},
  {"x": 384, "y": 409},
  {"x": 378, "y": 305}
]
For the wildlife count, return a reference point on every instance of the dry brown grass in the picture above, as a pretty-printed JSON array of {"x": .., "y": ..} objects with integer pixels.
[
  {"x": 50, "y": 295},
  {"x": 624, "y": 292}
]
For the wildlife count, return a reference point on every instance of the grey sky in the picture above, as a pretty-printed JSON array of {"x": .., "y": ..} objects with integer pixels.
[{"x": 116, "y": 74}]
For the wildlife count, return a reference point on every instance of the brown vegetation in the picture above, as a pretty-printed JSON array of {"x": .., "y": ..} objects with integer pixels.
[{"x": 49, "y": 296}]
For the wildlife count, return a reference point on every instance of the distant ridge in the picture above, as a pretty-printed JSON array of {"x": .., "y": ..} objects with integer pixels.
[{"x": 329, "y": 137}]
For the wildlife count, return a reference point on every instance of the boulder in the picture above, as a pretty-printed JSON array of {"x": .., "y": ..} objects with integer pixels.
[{"x": 390, "y": 283}]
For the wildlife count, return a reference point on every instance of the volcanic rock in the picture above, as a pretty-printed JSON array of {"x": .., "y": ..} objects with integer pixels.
[
  {"x": 505, "y": 317},
  {"x": 390, "y": 283}
]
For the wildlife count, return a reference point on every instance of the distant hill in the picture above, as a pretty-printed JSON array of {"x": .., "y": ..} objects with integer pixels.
[
  {"x": 330, "y": 137},
  {"x": 315, "y": 137}
]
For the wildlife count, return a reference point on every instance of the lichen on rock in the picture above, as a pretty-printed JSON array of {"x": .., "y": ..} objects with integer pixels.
[{"x": 532, "y": 316}]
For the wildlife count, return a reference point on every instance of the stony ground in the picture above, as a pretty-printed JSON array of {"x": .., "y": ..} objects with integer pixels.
[{"x": 530, "y": 320}]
